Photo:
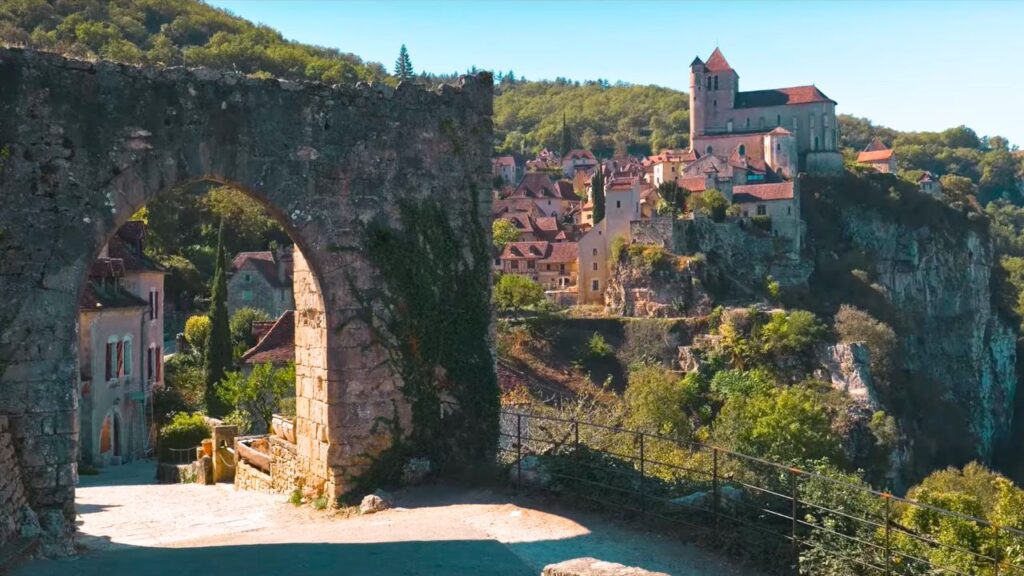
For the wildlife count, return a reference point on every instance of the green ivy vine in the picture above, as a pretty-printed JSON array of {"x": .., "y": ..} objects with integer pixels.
[{"x": 433, "y": 316}]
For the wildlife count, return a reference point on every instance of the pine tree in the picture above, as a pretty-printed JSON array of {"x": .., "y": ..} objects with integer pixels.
[
  {"x": 597, "y": 194},
  {"x": 566, "y": 137},
  {"x": 219, "y": 355},
  {"x": 403, "y": 65}
]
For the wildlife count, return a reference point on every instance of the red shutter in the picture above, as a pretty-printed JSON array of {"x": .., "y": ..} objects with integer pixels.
[
  {"x": 120, "y": 359},
  {"x": 109, "y": 368}
]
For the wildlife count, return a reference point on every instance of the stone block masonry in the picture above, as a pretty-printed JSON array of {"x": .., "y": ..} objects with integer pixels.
[
  {"x": 88, "y": 144},
  {"x": 13, "y": 502}
]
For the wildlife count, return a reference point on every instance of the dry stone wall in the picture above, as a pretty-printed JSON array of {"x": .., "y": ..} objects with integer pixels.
[
  {"x": 12, "y": 492},
  {"x": 85, "y": 145}
]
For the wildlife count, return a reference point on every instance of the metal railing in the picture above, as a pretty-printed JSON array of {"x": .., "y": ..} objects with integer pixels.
[{"x": 791, "y": 520}]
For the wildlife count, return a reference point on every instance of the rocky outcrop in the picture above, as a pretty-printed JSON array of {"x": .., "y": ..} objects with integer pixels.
[
  {"x": 672, "y": 288},
  {"x": 848, "y": 367}
]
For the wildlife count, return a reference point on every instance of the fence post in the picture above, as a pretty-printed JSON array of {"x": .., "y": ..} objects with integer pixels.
[
  {"x": 576, "y": 447},
  {"x": 995, "y": 551},
  {"x": 888, "y": 531},
  {"x": 519, "y": 451},
  {"x": 643, "y": 497},
  {"x": 793, "y": 514},
  {"x": 714, "y": 486}
]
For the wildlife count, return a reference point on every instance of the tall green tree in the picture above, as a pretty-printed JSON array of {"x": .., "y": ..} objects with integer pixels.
[
  {"x": 597, "y": 194},
  {"x": 219, "y": 354},
  {"x": 566, "y": 137},
  {"x": 403, "y": 65}
]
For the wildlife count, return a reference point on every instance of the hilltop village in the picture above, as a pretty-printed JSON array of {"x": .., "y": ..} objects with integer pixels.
[{"x": 747, "y": 151}]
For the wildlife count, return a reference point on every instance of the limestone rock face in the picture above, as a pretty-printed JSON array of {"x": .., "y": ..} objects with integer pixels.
[
  {"x": 594, "y": 567},
  {"x": 848, "y": 367},
  {"x": 938, "y": 284},
  {"x": 673, "y": 289}
]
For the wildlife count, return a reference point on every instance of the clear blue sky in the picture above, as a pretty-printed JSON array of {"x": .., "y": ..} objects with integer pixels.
[{"x": 916, "y": 65}]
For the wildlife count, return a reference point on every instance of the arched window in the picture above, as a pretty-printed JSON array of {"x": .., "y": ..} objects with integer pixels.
[
  {"x": 709, "y": 82},
  {"x": 708, "y": 149},
  {"x": 716, "y": 82},
  {"x": 127, "y": 350},
  {"x": 742, "y": 150}
]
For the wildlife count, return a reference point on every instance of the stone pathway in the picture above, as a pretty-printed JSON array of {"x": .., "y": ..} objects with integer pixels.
[{"x": 129, "y": 525}]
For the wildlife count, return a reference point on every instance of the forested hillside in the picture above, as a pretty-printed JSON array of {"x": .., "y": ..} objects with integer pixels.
[{"x": 170, "y": 32}]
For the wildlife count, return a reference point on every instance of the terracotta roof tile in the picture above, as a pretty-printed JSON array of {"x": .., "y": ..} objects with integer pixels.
[
  {"x": 781, "y": 97},
  {"x": 277, "y": 346},
  {"x": 875, "y": 156},
  {"x": 717, "y": 62},
  {"x": 692, "y": 183},
  {"x": 762, "y": 192},
  {"x": 562, "y": 252}
]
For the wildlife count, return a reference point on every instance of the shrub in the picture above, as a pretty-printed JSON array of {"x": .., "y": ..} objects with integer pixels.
[
  {"x": 241, "y": 328},
  {"x": 241, "y": 419},
  {"x": 515, "y": 292},
  {"x": 647, "y": 340},
  {"x": 616, "y": 249},
  {"x": 648, "y": 257},
  {"x": 711, "y": 203},
  {"x": 657, "y": 401},
  {"x": 184, "y": 431},
  {"x": 598, "y": 347},
  {"x": 184, "y": 376},
  {"x": 503, "y": 232},
  {"x": 853, "y": 325},
  {"x": 259, "y": 393},
  {"x": 726, "y": 384},
  {"x": 792, "y": 333},
  {"x": 197, "y": 332},
  {"x": 761, "y": 222}
]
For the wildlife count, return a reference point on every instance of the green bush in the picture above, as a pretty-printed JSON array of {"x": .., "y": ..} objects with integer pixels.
[
  {"x": 660, "y": 401},
  {"x": 184, "y": 431},
  {"x": 241, "y": 328},
  {"x": 598, "y": 347},
  {"x": 711, "y": 203},
  {"x": 515, "y": 292}
]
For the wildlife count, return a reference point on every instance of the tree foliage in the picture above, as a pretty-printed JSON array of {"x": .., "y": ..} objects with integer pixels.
[
  {"x": 597, "y": 195},
  {"x": 258, "y": 393},
  {"x": 219, "y": 358},
  {"x": 241, "y": 328},
  {"x": 174, "y": 32},
  {"x": 503, "y": 232},
  {"x": 710, "y": 203},
  {"x": 515, "y": 292},
  {"x": 403, "y": 64}
]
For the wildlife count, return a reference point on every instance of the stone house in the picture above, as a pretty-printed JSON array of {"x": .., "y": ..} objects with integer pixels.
[
  {"x": 622, "y": 206},
  {"x": 552, "y": 198},
  {"x": 929, "y": 184},
  {"x": 878, "y": 156},
  {"x": 504, "y": 167},
  {"x": 262, "y": 280},
  {"x": 722, "y": 118},
  {"x": 120, "y": 350},
  {"x": 667, "y": 165},
  {"x": 551, "y": 264},
  {"x": 578, "y": 160},
  {"x": 779, "y": 202}
]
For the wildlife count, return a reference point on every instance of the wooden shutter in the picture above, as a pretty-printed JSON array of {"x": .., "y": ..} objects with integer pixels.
[
  {"x": 159, "y": 363},
  {"x": 108, "y": 361},
  {"x": 120, "y": 359},
  {"x": 149, "y": 363}
]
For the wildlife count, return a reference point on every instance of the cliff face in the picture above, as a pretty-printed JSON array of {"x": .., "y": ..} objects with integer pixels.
[{"x": 927, "y": 270}]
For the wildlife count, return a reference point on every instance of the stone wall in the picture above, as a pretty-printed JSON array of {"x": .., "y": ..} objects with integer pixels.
[
  {"x": 250, "y": 478},
  {"x": 85, "y": 145},
  {"x": 286, "y": 470},
  {"x": 13, "y": 502}
]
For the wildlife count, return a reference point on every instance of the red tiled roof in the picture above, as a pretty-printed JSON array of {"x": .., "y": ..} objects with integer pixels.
[
  {"x": 277, "y": 346},
  {"x": 579, "y": 154},
  {"x": 692, "y": 183},
  {"x": 565, "y": 190},
  {"x": 781, "y": 131},
  {"x": 563, "y": 252},
  {"x": 535, "y": 185},
  {"x": 781, "y": 97},
  {"x": 620, "y": 184},
  {"x": 525, "y": 250},
  {"x": 762, "y": 192},
  {"x": 547, "y": 224},
  {"x": 717, "y": 62},
  {"x": 926, "y": 177},
  {"x": 875, "y": 156},
  {"x": 265, "y": 265},
  {"x": 505, "y": 161},
  {"x": 875, "y": 144}
]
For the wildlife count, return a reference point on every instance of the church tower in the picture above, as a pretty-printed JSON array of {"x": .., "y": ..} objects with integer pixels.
[
  {"x": 697, "y": 100},
  {"x": 721, "y": 83}
]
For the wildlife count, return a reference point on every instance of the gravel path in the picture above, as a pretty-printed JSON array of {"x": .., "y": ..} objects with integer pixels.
[{"x": 129, "y": 525}]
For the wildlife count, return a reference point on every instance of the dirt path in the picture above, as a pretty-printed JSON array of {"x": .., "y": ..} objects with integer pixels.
[{"x": 128, "y": 525}]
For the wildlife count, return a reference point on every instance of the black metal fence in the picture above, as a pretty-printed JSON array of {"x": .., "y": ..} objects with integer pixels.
[{"x": 789, "y": 520}]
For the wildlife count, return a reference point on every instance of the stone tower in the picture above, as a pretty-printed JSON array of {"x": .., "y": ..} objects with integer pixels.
[{"x": 697, "y": 74}]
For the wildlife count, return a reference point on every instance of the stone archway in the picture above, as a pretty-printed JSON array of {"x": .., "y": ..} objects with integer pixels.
[{"x": 83, "y": 145}]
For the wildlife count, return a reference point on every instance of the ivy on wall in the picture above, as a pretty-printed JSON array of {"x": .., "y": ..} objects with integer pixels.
[{"x": 433, "y": 317}]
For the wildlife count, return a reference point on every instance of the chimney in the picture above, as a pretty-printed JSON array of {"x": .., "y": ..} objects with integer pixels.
[{"x": 283, "y": 258}]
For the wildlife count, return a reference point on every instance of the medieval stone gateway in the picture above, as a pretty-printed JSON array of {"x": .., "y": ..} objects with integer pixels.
[{"x": 84, "y": 145}]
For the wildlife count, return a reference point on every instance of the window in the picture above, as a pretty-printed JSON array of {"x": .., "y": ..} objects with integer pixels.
[
  {"x": 530, "y": 264},
  {"x": 728, "y": 126},
  {"x": 810, "y": 118},
  {"x": 778, "y": 120},
  {"x": 245, "y": 277},
  {"x": 514, "y": 265},
  {"x": 708, "y": 82},
  {"x": 561, "y": 268},
  {"x": 595, "y": 285},
  {"x": 742, "y": 150},
  {"x": 159, "y": 364},
  {"x": 824, "y": 120},
  {"x": 714, "y": 103},
  {"x": 109, "y": 361},
  {"x": 789, "y": 210},
  {"x": 815, "y": 147},
  {"x": 127, "y": 347},
  {"x": 762, "y": 210},
  {"x": 716, "y": 82},
  {"x": 708, "y": 149},
  {"x": 778, "y": 147},
  {"x": 497, "y": 261},
  {"x": 747, "y": 123},
  {"x": 150, "y": 367},
  {"x": 595, "y": 251},
  {"x": 246, "y": 295},
  {"x": 618, "y": 203},
  {"x": 795, "y": 122},
  {"x": 595, "y": 266},
  {"x": 154, "y": 304}
]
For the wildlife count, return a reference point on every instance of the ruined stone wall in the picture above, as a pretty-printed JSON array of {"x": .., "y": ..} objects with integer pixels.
[
  {"x": 85, "y": 145},
  {"x": 12, "y": 491},
  {"x": 253, "y": 479}
]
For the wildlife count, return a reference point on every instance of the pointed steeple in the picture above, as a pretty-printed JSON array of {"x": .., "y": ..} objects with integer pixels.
[{"x": 717, "y": 62}]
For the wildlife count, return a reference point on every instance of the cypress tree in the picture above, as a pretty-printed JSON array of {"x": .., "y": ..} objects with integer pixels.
[
  {"x": 403, "y": 65},
  {"x": 597, "y": 193},
  {"x": 219, "y": 354}
]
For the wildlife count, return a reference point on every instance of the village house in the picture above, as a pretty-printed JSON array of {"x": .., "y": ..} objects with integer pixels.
[
  {"x": 622, "y": 206},
  {"x": 504, "y": 167},
  {"x": 778, "y": 203},
  {"x": 120, "y": 350},
  {"x": 551, "y": 264},
  {"x": 578, "y": 160},
  {"x": 723, "y": 119},
  {"x": 262, "y": 280},
  {"x": 878, "y": 156},
  {"x": 552, "y": 198},
  {"x": 668, "y": 165},
  {"x": 929, "y": 184},
  {"x": 546, "y": 161}
]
